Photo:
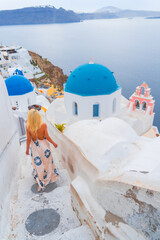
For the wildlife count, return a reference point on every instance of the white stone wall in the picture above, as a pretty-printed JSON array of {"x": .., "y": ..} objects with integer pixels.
[
  {"x": 9, "y": 149},
  {"x": 113, "y": 208},
  {"x": 22, "y": 102},
  {"x": 85, "y": 105},
  {"x": 14, "y": 56},
  {"x": 1, "y": 58},
  {"x": 7, "y": 128}
]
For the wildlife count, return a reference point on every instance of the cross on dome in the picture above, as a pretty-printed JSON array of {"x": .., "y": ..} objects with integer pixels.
[{"x": 91, "y": 61}]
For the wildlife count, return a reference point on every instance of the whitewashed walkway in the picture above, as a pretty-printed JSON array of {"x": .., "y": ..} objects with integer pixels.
[{"x": 24, "y": 202}]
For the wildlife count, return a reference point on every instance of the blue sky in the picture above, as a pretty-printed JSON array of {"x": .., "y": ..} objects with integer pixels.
[{"x": 83, "y": 5}]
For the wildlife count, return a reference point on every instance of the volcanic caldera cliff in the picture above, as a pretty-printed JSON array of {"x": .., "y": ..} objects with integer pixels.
[{"x": 53, "y": 74}]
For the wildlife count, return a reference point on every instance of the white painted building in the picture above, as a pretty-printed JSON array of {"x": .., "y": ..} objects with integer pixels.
[
  {"x": 12, "y": 58},
  {"x": 9, "y": 152},
  {"x": 21, "y": 92},
  {"x": 91, "y": 91},
  {"x": 1, "y": 58}
]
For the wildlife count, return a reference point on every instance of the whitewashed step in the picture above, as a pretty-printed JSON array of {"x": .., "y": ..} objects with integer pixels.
[
  {"x": 80, "y": 233},
  {"x": 124, "y": 232}
]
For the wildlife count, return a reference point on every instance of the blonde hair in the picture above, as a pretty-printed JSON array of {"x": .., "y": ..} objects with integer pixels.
[{"x": 34, "y": 120}]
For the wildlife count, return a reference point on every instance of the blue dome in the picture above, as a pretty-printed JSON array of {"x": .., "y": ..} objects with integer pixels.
[
  {"x": 91, "y": 80},
  {"x": 18, "y": 85}
]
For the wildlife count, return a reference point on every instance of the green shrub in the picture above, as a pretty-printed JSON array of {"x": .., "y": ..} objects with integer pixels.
[
  {"x": 60, "y": 127},
  {"x": 34, "y": 63}
]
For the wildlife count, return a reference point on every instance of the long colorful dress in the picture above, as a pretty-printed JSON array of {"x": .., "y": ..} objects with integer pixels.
[{"x": 44, "y": 170}]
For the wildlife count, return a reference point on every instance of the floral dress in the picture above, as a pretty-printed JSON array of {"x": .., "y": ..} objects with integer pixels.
[{"x": 44, "y": 170}]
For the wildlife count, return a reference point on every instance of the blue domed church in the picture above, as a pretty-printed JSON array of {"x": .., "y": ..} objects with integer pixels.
[
  {"x": 21, "y": 92},
  {"x": 91, "y": 91}
]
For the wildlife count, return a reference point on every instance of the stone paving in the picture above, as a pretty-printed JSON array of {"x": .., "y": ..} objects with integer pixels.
[
  {"x": 42, "y": 222},
  {"x": 49, "y": 188}
]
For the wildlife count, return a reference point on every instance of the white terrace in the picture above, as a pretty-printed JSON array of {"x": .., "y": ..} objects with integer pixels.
[{"x": 119, "y": 199}]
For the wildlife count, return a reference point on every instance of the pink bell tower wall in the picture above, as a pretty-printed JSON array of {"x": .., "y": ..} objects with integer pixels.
[{"x": 142, "y": 99}]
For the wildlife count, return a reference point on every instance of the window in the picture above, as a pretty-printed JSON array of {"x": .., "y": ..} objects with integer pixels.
[
  {"x": 75, "y": 108},
  {"x": 17, "y": 106},
  {"x": 114, "y": 105},
  {"x": 137, "y": 104},
  {"x": 22, "y": 126},
  {"x": 96, "y": 110},
  {"x": 144, "y": 105}
]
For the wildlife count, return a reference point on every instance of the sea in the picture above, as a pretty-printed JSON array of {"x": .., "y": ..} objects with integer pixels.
[{"x": 128, "y": 47}]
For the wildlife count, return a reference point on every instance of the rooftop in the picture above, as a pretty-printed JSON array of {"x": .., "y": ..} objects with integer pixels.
[
  {"x": 18, "y": 85},
  {"x": 91, "y": 79}
]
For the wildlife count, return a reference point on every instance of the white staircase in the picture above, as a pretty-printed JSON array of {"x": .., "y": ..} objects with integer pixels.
[{"x": 23, "y": 202}]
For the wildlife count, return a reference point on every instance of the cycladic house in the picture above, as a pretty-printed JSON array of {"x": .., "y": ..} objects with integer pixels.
[
  {"x": 21, "y": 95},
  {"x": 91, "y": 91},
  {"x": 21, "y": 92}
]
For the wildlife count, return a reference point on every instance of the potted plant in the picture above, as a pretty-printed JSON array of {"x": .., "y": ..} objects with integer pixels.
[{"x": 60, "y": 127}]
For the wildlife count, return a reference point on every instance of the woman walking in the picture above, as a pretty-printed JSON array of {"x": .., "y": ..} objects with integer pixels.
[{"x": 44, "y": 170}]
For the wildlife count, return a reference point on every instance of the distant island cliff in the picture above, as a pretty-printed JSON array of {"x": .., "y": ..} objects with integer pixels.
[
  {"x": 50, "y": 14},
  {"x": 37, "y": 15}
]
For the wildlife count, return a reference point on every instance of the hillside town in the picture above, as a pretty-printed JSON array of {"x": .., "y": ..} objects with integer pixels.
[{"x": 107, "y": 157}]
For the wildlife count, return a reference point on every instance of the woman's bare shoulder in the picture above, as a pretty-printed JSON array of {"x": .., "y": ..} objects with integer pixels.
[{"x": 44, "y": 125}]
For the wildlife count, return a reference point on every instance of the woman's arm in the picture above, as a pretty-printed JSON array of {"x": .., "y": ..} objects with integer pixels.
[
  {"x": 28, "y": 141},
  {"x": 48, "y": 137}
]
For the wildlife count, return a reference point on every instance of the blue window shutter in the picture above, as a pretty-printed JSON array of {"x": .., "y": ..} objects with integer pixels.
[
  {"x": 75, "y": 108},
  {"x": 96, "y": 110}
]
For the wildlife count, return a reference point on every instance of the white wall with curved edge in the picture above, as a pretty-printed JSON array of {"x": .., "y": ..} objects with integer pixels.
[
  {"x": 9, "y": 150},
  {"x": 111, "y": 207},
  {"x": 109, "y": 105},
  {"x": 7, "y": 126},
  {"x": 23, "y": 101}
]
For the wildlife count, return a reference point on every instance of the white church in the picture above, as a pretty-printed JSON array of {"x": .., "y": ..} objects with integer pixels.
[
  {"x": 21, "y": 92},
  {"x": 21, "y": 95},
  {"x": 91, "y": 91}
]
